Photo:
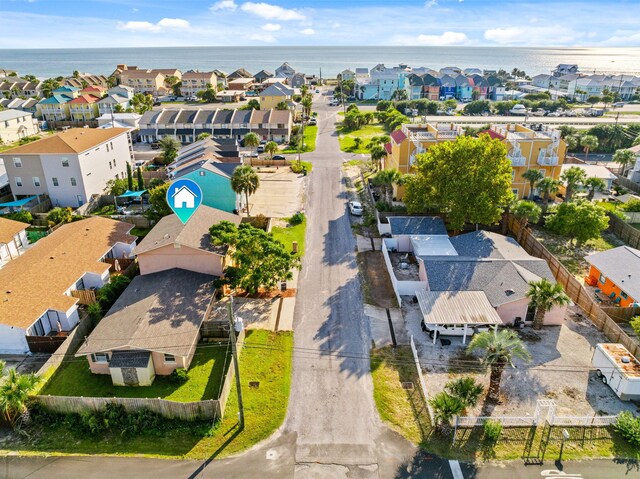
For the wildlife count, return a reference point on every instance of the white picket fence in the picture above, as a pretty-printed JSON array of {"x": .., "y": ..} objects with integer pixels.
[
  {"x": 583, "y": 421},
  {"x": 513, "y": 421},
  {"x": 423, "y": 384}
]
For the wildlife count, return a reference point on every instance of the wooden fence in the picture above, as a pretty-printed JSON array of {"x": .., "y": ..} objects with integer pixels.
[
  {"x": 85, "y": 296},
  {"x": 574, "y": 289},
  {"x": 119, "y": 265},
  {"x": 624, "y": 231},
  {"x": 229, "y": 379},
  {"x": 188, "y": 411},
  {"x": 621, "y": 315},
  {"x": 268, "y": 162},
  {"x": 45, "y": 344},
  {"x": 628, "y": 184}
]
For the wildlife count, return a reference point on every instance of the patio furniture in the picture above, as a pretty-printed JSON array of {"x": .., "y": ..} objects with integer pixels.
[
  {"x": 598, "y": 290},
  {"x": 612, "y": 295},
  {"x": 617, "y": 301},
  {"x": 445, "y": 342}
]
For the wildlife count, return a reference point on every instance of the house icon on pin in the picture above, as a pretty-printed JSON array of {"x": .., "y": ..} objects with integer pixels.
[{"x": 183, "y": 197}]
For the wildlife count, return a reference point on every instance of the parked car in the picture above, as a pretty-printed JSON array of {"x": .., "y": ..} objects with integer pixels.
[
  {"x": 139, "y": 163},
  {"x": 260, "y": 148},
  {"x": 355, "y": 208},
  {"x": 156, "y": 103},
  {"x": 278, "y": 157},
  {"x": 618, "y": 104},
  {"x": 313, "y": 122},
  {"x": 155, "y": 145},
  {"x": 317, "y": 91},
  {"x": 452, "y": 330},
  {"x": 518, "y": 110}
]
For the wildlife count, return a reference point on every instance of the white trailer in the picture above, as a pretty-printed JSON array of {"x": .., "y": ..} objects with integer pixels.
[{"x": 618, "y": 368}]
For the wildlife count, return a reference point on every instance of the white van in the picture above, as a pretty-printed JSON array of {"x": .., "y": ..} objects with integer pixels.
[{"x": 519, "y": 110}]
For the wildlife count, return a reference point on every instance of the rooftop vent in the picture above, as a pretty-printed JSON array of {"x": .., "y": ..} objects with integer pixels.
[
  {"x": 509, "y": 292},
  {"x": 625, "y": 359}
]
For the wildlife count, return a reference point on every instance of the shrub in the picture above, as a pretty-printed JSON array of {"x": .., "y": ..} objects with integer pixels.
[
  {"x": 260, "y": 221},
  {"x": 296, "y": 219},
  {"x": 635, "y": 324},
  {"x": 299, "y": 167},
  {"x": 633, "y": 206},
  {"x": 179, "y": 376},
  {"x": 60, "y": 215},
  {"x": 465, "y": 389},
  {"x": 492, "y": 430},
  {"x": 24, "y": 216},
  {"x": 95, "y": 312},
  {"x": 92, "y": 421},
  {"x": 382, "y": 205},
  {"x": 108, "y": 294},
  {"x": 629, "y": 427}
]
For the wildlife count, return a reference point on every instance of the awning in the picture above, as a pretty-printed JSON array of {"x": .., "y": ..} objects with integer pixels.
[
  {"x": 457, "y": 308},
  {"x": 132, "y": 194},
  {"x": 17, "y": 203}
]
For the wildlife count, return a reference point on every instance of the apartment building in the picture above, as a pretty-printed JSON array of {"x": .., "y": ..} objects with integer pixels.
[
  {"x": 70, "y": 166},
  {"x": 194, "y": 81},
  {"x": 16, "y": 124}
]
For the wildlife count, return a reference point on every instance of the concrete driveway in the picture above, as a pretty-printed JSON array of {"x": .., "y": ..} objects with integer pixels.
[{"x": 280, "y": 193}]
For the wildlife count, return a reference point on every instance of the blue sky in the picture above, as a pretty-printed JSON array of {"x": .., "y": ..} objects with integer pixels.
[{"x": 140, "y": 23}]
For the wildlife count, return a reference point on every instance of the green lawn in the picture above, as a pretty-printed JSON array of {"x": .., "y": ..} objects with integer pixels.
[
  {"x": 635, "y": 225},
  {"x": 287, "y": 235},
  {"x": 205, "y": 376},
  {"x": 105, "y": 210},
  {"x": 266, "y": 358},
  {"x": 365, "y": 133},
  {"x": 140, "y": 232},
  {"x": 404, "y": 411},
  {"x": 310, "y": 135}
]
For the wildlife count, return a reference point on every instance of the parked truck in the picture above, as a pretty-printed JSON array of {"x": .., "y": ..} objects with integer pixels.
[{"x": 618, "y": 368}]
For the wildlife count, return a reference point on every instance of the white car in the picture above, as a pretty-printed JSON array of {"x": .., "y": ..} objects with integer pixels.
[{"x": 355, "y": 207}]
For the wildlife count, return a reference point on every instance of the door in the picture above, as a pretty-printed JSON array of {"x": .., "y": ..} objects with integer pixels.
[
  {"x": 80, "y": 201},
  {"x": 130, "y": 376}
]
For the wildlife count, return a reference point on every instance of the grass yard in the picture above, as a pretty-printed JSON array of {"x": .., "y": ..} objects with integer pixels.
[
  {"x": 404, "y": 410},
  {"x": 635, "y": 225},
  {"x": 365, "y": 133},
  {"x": 140, "y": 232},
  {"x": 288, "y": 234},
  {"x": 310, "y": 135},
  {"x": 105, "y": 210},
  {"x": 205, "y": 377},
  {"x": 266, "y": 358}
]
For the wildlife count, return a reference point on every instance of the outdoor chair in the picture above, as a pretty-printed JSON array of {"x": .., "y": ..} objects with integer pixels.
[
  {"x": 612, "y": 295},
  {"x": 617, "y": 301}
]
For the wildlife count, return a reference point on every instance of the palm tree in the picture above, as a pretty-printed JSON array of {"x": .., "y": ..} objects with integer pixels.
[
  {"x": 547, "y": 186},
  {"x": 251, "y": 140},
  {"x": 573, "y": 141},
  {"x": 307, "y": 103},
  {"x": 588, "y": 143},
  {"x": 626, "y": 158},
  {"x": 500, "y": 349},
  {"x": 544, "y": 295},
  {"x": 14, "y": 393},
  {"x": 573, "y": 177},
  {"x": 245, "y": 180},
  {"x": 593, "y": 185},
  {"x": 445, "y": 406},
  {"x": 271, "y": 148},
  {"x": 465, "y": 389},
  {"x": 169, "y": 146},
  {"x": 532, "y": 176},
  {"x": 526, "y": 212},
  {"x": 386, "y": 179},
  {"x": 377, "y": 154}
]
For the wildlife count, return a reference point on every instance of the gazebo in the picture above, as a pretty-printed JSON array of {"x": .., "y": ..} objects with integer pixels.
[{"x": 131, "y": 196}]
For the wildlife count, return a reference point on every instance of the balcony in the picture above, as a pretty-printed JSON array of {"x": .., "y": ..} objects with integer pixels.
[
  {"x": 547, "y": 160},
  {"x": 517, "y": 159}
]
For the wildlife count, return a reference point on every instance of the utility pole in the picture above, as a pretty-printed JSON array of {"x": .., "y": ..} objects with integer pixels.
[
  {"x": 234, "y": 352},
  {"x": 344, "y": 103}
]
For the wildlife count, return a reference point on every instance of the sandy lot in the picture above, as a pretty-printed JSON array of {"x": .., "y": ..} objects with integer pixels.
[
  {"x": 280, "y": 193},
  {"x": 561, "y": 357}
]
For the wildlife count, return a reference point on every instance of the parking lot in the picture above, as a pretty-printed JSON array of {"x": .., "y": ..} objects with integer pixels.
[{"x": 559, "y": 369}]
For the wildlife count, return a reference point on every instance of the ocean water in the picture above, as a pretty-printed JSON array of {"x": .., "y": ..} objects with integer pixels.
[{"x": 332, "y": 60}]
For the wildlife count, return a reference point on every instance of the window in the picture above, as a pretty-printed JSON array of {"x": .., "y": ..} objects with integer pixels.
[
  {"x": 54, "y": 180},
  {"x": 169, "y": 359},
  {"x": 110, "y": 167},
  {"x": 18, "y": 181},
  {"x": 100, "y": 358},
  {"x": 623, "y": 295},
  {"x": 603, "y": 278},
  {"x": 65, "y": 162},
  {"x": 73, "y": 181},
  {"x": 17, "y": 162},
  {"x": 515, "y": 192},
  {"x": 36, "y": 181},
  {"x": 114, "y": 162},
  {"x": 203, "y": 173}
]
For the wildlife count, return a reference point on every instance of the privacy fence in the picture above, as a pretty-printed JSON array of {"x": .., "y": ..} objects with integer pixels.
[{"x": 624, "y": 231}]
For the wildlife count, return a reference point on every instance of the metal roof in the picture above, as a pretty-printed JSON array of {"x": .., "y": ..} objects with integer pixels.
[{"x": 456, "y": 307}]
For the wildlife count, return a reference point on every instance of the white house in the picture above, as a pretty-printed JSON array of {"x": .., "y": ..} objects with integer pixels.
[
  {"x": 16, "y": 124},
  {"x": 13, "y": 239},
  {"x": 70, "y": 166}
]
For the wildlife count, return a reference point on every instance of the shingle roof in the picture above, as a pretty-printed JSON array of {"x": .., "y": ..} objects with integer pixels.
[
  {"x": 12, "y": 114},
  {"x": 417, "y": 225},
  {"x": 157, "y": 312},
  {"x": 9, "y": 228},
  {"x": 398, "y": 136},
  {"x": 277, "y": 89},
  {"x": 194, "y": 234},
  {"x": 622, "y": 266},
  {"x": 484, "y": 244},
  {"x": 38, "y": 279},
  {"x": 130, "y": 359},
  {"x": 73, "y": 140}
]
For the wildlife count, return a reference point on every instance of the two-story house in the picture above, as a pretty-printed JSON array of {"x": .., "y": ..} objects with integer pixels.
[
  {"x": 16, "y": 124},
  {"x": 194, "y": 81},
  {"x": 84, "y": 108},
  {"x": 271, "y": 96}
]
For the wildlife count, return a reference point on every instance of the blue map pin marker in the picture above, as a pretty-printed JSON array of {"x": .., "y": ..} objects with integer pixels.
[{"x": 183, "y": 197}]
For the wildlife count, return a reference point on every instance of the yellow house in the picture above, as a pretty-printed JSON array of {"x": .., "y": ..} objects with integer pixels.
[
  {"x": 84, "y": 108},
  {"x": 274, "y": 94}
]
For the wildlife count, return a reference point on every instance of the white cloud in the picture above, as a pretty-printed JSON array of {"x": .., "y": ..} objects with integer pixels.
[
  {"x": 623, "y": 38},
  {"x": 224, "y": 5},
  {"x": 163, "y": 25},
  {"x": 271, "y": 12},
  {"x": 308, "y": 31},
  {"x": 446, "y": 39},
  {"x": 431, "y": 3},
  {"x": 533, "y": 35},
  {"x": 262, "y": 37},
  {"x": 271, "y": 27}
]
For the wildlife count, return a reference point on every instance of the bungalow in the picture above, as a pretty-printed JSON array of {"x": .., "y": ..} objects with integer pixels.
[
  {"x": 172, "y": 244},
  {"x": 447, "y": 87},
  {"x": 297, "y": 80},
  {"x": 13, "y": 239},
  {"x": 230, "y": 96},
  {"x": 262, "y": 75},
  {"x": 243, "y": 84},
  {"x": 464, "y": 88},
  {"x": 430, "y": 87},
  {"x": 54, "y": 108},
  {"x": 616, "y": 272},
  {"x": 347, "y": 75},
  {"x": 152, "y": 329},
  {"x": 271, "y": 96},
  {"x": 36, "y": 298}
]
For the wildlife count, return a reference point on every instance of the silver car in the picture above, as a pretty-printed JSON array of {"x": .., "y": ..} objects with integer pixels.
[{"x": 355, "y": 208}]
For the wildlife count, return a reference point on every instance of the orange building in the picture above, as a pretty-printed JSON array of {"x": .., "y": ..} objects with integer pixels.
[{"x": 616, "y": 272}]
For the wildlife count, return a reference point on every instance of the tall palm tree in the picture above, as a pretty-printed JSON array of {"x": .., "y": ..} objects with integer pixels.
[
  {"x": 14, "y": 394},
  {"x": 525, "y": 212},
  {"x": 251, "y": 140},
  {"x": 386, "y": 179},
  {"x": 307, "y": 103},
  {"x": 544, "y": 295},
  {"x": 245, "y": 180},
  {"x": 169, "y": 146},
  {"x": 588, "y": 143},
  {"x": 500, "y": 349},
  {"x": 271, "y": 148},
  {"x": 377, "y": 154},
  {"x": 593, "y": 185},
  {"x": 547, "y": 186},
  {"x": 626, "y": 158},
  {"x": 573, "y": 177},
  {"x": 533, "y": 177}
]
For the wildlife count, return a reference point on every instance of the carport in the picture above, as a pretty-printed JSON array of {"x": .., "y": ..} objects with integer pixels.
[{"x": 457, "y": 308}]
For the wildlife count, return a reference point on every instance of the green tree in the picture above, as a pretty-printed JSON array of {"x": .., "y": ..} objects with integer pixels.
[
  {"x": 566, "y": 130},
  {"x": 579, "y": 220},
  {"x": 445, "y": 407},
  {"x": 357, "y": 143},
  {"x": 169, "y": 147},
  {"x": 48, "y": 85},
  {"x": 142, "y": 103},
  {"x": 543, "y": 296},
  {"x": 526, "y": 212},
  {"x": 174, "y": 83},
  {"x": 574, "y": 177},
  {"x": 259, "y": 260},
  {"x": 469, "y": 179},
  {"x": 399, "y": 95},
  {"x": 625, "y": 158},
  {"x": 15, "y": 389},
  {"x": 593, "y": 185},
  {"x": 271, "y": 148},
  {"x": 477, "y": 107},
  {"x": 594, "y": 99},
  {"x": 635, "y": 324},
  {"x": 499, "y": 350},
  {"x": 250, "y": 140},
  {"x": 203, "y": 136},
  {"x": 245, "y": 180},
  {"x": 76, "y": 74},
  {"x": 60, "y": 215},
  {"x": 158, "y": 206},
  {"x": 117, "y": 186},
  {"x": 588, "y": 143},
  {"x": 118, "y": 109},
  {"x": 282, "y": 106},
  {"x": 533, "y": 177},
  {"x": 129, "y": 177},
  {"x": 466, "y": 389},
  {"x": 573, "y": 141},
  {"x": 307, "y": 104},
  {"x": 386, "y": 179},
  {"x": 253, "y": 104},
  {"x": 377, "y": 154},
  {"x": 547, "y": 187},
  {"x": 451, "y": 104},
  {"x": 140, "y": 179},
  {"x": 207, "y": 95}
]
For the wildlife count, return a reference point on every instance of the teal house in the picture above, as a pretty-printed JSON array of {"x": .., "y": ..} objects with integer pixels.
[{"x": 214, "y": 179}]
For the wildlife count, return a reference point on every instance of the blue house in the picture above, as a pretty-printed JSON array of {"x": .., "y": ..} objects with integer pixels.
[
  {"x": 447, "y": 87},
  {"x": 214, "y": 179},
  {"x": 464, "y": 89}
]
